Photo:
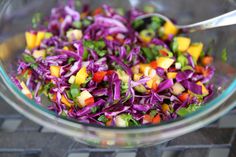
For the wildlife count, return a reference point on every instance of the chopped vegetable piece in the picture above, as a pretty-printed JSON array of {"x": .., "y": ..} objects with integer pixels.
[
  {"x": 183, "y": 43},
  {"x": 164, "y": 62},
  {"x": 99, "y": 76},
  {"x": 156, "y": 119},
  {"x": 39, "y": 38},
  {"x": 65, "y": 101},
  {"x": 169, "y": 29},
  {"x": 55, "y": 70},
  {"x": 25, "y": 90},
  {"x": 195, "y": 50},
  {"x": 177, "y": 88},
  {"x": 39, "y": 53},
  {"x": 74, "y": 34},
  {"x": 30, "y": 40},
  {"x": 85, "y": 99},
  {"x": 74, "y": 91},
  {"x": 185, "y": 111},
  {"x": 81, "y": 76}
]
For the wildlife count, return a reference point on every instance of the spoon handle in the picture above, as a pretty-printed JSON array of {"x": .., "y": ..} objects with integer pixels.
[{"x": 219, "y": 21}]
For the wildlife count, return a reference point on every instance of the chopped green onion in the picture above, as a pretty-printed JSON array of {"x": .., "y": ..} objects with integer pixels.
[
  {"x": 191, "y": 108},
  {"x": 74, "y": 90},
  {"x": 94, "y": 109},
  {"x": 70, "y": 60},
  {"x": 103, "y": 119},
  {"x": 153, "y": 113},
  {"x": 182, "y": 60},
  {"x": 174, "y": 45},
  {"x": 28, "y": 58},
  {"x": 85, "y": 54}
]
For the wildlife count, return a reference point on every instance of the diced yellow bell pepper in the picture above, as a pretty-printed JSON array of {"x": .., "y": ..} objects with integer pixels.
[
  {"x": 171, "y": 75},
  {"x": 65, "y": 101},
  {"x": 169, "y": 29},
  {"x": 150, "y": 83},
  {"x": 65, "y": 48},
  {"x": 165, "y": 108},
  {"x": 81, "y": 76},
  {"x": 40, "y": 37},
  {"x": 183, "y": 43},
  {"x": 164, "y": 62},
  {"x": 55, "y": 70},
  {"x": 204, "y": 89},
  {"x": 195, "y": 50},
  {"x": 39, "y": 53},
  {"x": 30, "y": 40}
]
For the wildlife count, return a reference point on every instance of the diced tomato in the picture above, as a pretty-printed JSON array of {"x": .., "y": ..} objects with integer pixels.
[
  {"x": 89, "y": 101},
  {"x": 147, "y": 118},
  {"x": 99, "y": 76},
  {"x": 153, "y": 64},
  {"x": 156, "y": 119},
  {"x": 183, "y": 96}
]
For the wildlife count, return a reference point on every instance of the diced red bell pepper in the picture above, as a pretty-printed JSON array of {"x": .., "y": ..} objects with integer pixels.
[
  {"x": 153, "y": 64},
  {"x": 97, "y": 11},
  {"x": 89, "y": 101},
  {"x": 183, "y": 96},
  {"x": 156, "y": 119},
  {"x": 110, "y": 72},
  {"x": 99, "y": 76}
]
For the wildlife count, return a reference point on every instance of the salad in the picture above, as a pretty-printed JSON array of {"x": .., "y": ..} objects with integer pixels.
[{"x": 104, "y": 67}]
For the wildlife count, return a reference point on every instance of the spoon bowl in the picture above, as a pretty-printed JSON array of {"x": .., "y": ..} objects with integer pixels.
[{"x": 226, "y": 19}]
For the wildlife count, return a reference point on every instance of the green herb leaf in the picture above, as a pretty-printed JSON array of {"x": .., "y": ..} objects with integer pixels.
[
  {"x": 37, "y": 17},
  {"x": 94, "y": 109},
  {"x": 74, "y": 90},
  {"x": 34, "y": 66},
  {"x": 191, "y": 108},
  {"x": 85, "y": 54},
  {"x": 70, "y": 60},
  {"x": 28, "y": 58},
  {"x": 77, "y": 24},
  {"x": 103, "y": 119},
  {"x": 138, "y": 23},
  {"x": 224, "y": 55},
  {"x": 101, "y": 53},
  {"x": 148, "y": 53}
]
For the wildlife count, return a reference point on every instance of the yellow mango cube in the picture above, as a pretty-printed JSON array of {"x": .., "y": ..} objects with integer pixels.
[
  {"x": 183, "y": 43},
  {"x": 169, "y": 29},
  {"x": 204, "y": 89},
  {"x": 164, "y": 62},
  {"x": 137, "y": 76},
  {"x": 195, "y": 50},
  {"x": 171, "y": 75},
  {"x": 39, "y": 53},
  {"x": 165, "y": 108},
  {"x": 65, "y": 101},
  {"x": 55, "y": 70},
  {"x": 81, "y": 76},
  {"x": 30, "y": 40},
  {"x": 40, "y": 37},
  {"x": 142, "y": 67}
]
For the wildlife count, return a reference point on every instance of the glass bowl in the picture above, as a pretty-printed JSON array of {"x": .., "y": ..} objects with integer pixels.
[{"x": 15, "y": 18}]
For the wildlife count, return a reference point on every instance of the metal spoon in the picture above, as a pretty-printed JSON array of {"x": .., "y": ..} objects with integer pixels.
[{"x": 219, "y": 21}]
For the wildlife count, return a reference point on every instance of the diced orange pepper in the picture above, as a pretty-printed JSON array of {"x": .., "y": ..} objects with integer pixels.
[
  {"x": 99, "y": 76},
  {"x": 89, "y": 101},
  {"x": 156, "y": 119},
  {"x": 207, "y": 60}
]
